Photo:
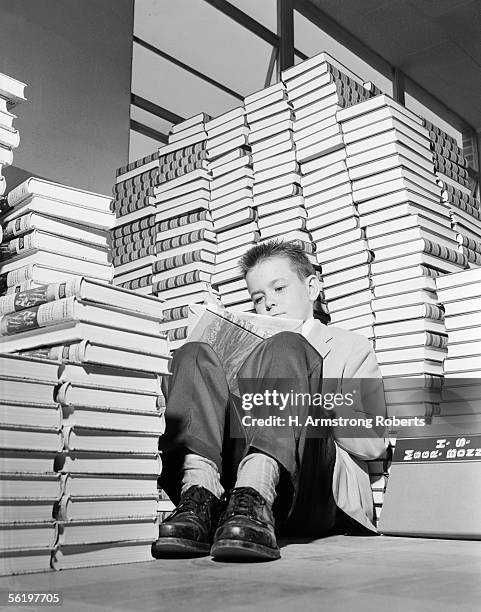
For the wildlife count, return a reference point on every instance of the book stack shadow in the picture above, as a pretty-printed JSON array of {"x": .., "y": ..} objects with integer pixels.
[
  {"x": 53, "y": 232},
  {"x": 102, "y": 399},
  {"x": 185, "y": 241},
  {"x": 12, "y": 93},
  {"x": 232, "y": 204}
]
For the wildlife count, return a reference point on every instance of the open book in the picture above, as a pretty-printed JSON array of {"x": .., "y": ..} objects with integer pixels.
[{"x": 233, "y": 335}]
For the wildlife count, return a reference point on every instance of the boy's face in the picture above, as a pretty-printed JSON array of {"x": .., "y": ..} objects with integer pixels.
[{"x": 277, "y": 290}]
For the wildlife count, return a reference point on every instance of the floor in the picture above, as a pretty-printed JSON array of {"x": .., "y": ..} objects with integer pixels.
[{"x": 335, "y": 574}]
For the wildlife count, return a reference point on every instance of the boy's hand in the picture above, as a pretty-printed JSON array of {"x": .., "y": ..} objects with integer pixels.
[{"x": 212, "y": 298}]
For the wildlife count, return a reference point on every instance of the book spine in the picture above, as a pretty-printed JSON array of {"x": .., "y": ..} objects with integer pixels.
[
  {"x": 434, "y": 312},
  {"x": 436, "y": 340},
  {"x": 444, "y": 252},
  {"x": 17, "y": 226},
  {"x": 137, "y": 283},
  {"x": 74, "y": 353},
  {"x": 180, "y": 333},
  {"x": 182, "y": 240},
  {"x": 133, "y": 247},
  {"x": 125, "y": 258},
  {"x": 30, "y": 298},
  {"x": 18, "y": 193},
  {"x": 18, "y": 245},
  {"x": 173, "y": 314},
  {"x": 44, "y": 315},
  {"x": 178, "y": 281},
  {"x": 176, "y": 222},
  {"x": 161, "y": 265}
]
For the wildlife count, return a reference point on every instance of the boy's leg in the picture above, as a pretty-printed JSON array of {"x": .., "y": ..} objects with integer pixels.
[
  {"x": 197, "y": 401},
  {"x": 284, "y": 362}
]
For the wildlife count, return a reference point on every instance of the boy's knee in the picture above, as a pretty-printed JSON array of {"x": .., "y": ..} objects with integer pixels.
[{"x": 192, "y": 349}]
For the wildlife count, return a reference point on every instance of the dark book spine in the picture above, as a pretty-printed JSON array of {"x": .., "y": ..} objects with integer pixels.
[
  {"x": 180, "y": 333},
  {"x": 161, "y": 265},
  {"x": 173, "y": 314},
  {"x": 434, "y": 312},
  {"x": 182, "y": 240},
  {"x": 137, "y": 283},
  {"x": 178, "y": 281},
  {"x": 443, "y": 252},
  {"x": 120, "y": 260},
  {"x": 183, "y": 220}
]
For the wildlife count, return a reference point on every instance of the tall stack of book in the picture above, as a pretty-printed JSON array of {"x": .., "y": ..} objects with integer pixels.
[
  {"x": 53, "y": 232},
  {"x": 460, "y": 295},
  {"x": 108, "y": 391},
  {"x": 185, "y": 246},
  {"x": 133, "y": 237},
  {"x": 464, "y": 209},
  {"x": 408, "y": 230},
  {"x": 277, "y": 187},
  {"x": 30, "y": 439},
  {"x": 318, "y": 89},
  {"x": 12, "y": 92},
  {"x": 232, "y": 204}
]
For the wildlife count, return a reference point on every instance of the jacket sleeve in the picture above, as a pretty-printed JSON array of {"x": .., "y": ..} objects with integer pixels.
[{"x": 362, "y": 378}]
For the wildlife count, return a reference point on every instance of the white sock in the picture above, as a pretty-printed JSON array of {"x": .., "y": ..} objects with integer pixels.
[
  {"x": 260, "y": 472},
  {"x": 203, "y": 472}
]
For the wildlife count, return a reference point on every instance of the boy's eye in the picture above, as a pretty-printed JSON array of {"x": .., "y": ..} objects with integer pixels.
[
  {"x": 281, "y": 288},
  {"x": 258, "y": 300}
]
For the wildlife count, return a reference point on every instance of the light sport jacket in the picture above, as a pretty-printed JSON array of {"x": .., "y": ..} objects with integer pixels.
[{"x": 349, "y": 364}]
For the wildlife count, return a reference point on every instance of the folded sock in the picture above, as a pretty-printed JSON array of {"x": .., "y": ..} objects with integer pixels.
[
  {"x": 203, "y": 472},
  {"x": 260, "y": 472}
]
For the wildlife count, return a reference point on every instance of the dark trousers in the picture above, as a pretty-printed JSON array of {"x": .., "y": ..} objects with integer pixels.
[{"x": 203, "y": 416}]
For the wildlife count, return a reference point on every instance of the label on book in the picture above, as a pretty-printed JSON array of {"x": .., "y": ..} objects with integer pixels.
[{"x": 435, "y": 449}]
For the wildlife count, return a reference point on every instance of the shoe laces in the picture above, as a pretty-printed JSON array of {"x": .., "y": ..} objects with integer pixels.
[
  {"x": 191, "y": 502},
  {"x": 245, "y": 502}
]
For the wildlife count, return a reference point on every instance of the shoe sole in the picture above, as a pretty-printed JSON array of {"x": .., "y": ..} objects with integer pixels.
[
  {"x": 236, "y": 549},
  {"x": 168, "y": 547}
]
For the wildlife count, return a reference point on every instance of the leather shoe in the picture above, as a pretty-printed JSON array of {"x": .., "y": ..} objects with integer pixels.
[
  {"x": 246, "y": 528},
  {"x": 189, "y": 529}
]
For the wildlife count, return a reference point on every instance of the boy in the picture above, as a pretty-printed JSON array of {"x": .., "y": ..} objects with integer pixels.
[{"x": 306, "y": 479}]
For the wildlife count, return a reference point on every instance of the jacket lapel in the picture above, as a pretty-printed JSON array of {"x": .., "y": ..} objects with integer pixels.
[{"x": 320, "y": 338}]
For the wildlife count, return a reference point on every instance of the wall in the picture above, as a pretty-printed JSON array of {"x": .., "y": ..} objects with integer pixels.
[{"x": 75, "y": 56}]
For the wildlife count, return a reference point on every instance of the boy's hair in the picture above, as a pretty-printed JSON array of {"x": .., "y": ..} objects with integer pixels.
[{"x": 275, "y": 248}]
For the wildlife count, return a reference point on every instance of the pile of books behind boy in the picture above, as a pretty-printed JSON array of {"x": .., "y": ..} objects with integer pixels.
[
  {"x": 169, "y": 192},
  {"x": 12, "y": 93},
  {"x": 79, "y": 425}
]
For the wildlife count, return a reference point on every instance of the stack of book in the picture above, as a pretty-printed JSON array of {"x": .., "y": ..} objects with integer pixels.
[
  {"x": 460, "y": 295},
  {"x": 460, "y": 405},
  {"x": 277, "y": 185},
  {"x": 232, "y": 204},
  {"x": 133, "y": 237},
  {"x": 464, "y": 208},
  {"x": 316, "y": 89},
  {"x": 30, "y": 439},
  {"x": 407, "y": 229},
  {"x": 185, "y": 245},
  {"x": 11, "y": 94},
  {"x": 108, "y": 391},
  {"x": 53, "y": 232}
]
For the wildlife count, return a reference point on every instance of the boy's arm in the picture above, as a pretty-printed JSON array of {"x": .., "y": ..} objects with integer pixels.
[{"x": 362, "y": 377}]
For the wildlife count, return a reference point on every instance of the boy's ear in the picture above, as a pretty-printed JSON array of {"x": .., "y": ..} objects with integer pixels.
[{"x": 314, "y": 287}]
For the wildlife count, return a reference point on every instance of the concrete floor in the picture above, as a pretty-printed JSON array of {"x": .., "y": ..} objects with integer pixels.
[{"x": 335, "y": 574}]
